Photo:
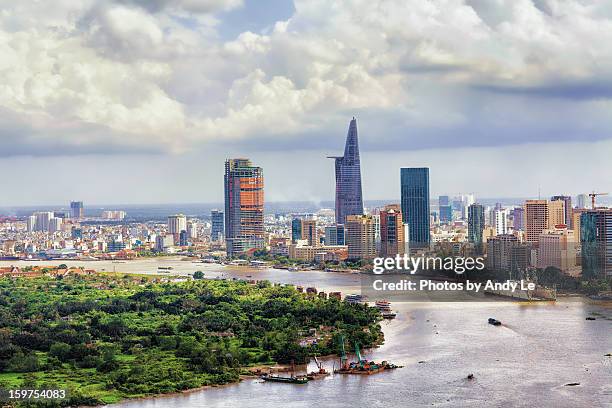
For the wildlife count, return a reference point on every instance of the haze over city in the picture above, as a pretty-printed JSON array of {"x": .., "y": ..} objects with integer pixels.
[{"x": 131, "y": 101}]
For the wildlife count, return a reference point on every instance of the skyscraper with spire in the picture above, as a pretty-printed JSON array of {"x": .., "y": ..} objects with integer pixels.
[{"x": 349, "y": 200}]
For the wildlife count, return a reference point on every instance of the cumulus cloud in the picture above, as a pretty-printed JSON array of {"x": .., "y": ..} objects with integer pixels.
[{"x": 80, "y": 76}]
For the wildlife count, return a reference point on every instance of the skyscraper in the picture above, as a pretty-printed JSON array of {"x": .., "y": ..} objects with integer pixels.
[
  {"x": 596, "y": 240},
  {"x": 244, "y": 206},
  {"x": 391, "y": 231},
  {"x": 476, "y": 224},
  {"x": 541, "y": 215},
  {"x": 76, "y": 209},
  {"x": 309, "y": 231},
  {"x": 582, "y": 200},
  {"x": 43, "y": 220},
  {"x": 296, "y": 229},
  {"x": 217, "y": 225},
  {"x": 415, "y": 205},
  {"x": 360, "y": 237},
  {"x": 445, "y": 209},
  {"x": 536, "y": 219},
  {"x": 499, "y": 220},
  {"x": 176, "y": 224},
  {"x": 349, "y": 200},
  {"x": 567, "y": 203}
]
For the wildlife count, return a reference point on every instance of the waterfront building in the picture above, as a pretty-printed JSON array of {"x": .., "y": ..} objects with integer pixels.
[
  {"x": 415, "y": 205},
  {"x": 360, "y": 237},
  {"x": 596, "y": 241},
  {"x": 476, "y": 225},
  {"x": 349, "y": 200},
  {"x": 557, "y": 248},
  {"x": 163, "y": 242},
  {"x": 217, "y": 225},
  {"x": 244, "y": 207},
  {"x": 567, "y": 208},
  {"x": 76, "y": 209},
  {"x": 391, "y": 231},
  {"x": 304, "y": 252}
]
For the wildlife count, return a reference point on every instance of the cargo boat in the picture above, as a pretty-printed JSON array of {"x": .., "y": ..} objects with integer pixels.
[{"x": 288, "y": 380}]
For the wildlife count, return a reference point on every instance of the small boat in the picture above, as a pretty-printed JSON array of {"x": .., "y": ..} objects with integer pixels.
[
  {"x": 494, "y": 322},
  {"x": 389, "y": 315},
  {"x": 288, "y": 380}
]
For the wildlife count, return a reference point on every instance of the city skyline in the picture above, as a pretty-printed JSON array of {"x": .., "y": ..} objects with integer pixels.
[{"x": 526, "y": 98}]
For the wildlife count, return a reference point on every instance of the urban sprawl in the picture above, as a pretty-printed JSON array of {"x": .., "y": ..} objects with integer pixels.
[{"x": 571, "y": 234}]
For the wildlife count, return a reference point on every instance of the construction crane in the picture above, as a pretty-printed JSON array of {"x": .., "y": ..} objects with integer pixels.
[{"x": 593, "y": 195}]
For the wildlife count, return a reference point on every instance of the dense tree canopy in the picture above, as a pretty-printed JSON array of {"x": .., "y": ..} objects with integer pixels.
[{"x": 108, "y": 338}]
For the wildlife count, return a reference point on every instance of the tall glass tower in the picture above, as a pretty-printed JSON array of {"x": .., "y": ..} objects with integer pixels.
[
  {"x": 415, "y": 204},
  {"x": 244, "y": 207},
  {"x": 476, "y": 224},
  {"x": 349, "y": 200}
]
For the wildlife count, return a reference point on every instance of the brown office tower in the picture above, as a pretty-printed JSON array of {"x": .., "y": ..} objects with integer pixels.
[
  {"x": 541, "y": 215},
  {"x": 391, "y": 231},
  {"x": 244, "y": 207}
]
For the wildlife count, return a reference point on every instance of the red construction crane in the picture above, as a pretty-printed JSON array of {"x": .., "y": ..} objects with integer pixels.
[{"x": 593, "y": 195}]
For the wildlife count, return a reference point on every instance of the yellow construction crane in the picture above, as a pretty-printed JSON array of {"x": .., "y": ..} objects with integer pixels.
[{"x": 593, "y": 195}]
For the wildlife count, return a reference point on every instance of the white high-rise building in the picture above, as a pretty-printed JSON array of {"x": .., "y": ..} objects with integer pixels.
[
  {"x": 31, "y": 223},
  {"x": 177, "y": 223},
  {"x": 500, "y": 221},
  {"x": 43, "y": 220},
  {"x": 55, "y": 224},
  {"x": 192, "y": 229}
]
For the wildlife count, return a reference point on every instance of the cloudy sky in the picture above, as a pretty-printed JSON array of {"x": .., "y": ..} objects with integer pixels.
[{"x": 140, "y": 101}]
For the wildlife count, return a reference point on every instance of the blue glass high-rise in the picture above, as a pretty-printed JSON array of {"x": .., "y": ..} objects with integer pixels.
[
  {"x": 415, "y": 204},
  {"x": 349, "y": 200}
]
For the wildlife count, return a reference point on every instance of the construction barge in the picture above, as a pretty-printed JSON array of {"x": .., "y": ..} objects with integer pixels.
[{"x": 361, "y": 366}]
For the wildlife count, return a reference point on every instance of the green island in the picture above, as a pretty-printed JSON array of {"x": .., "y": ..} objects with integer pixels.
[{"x": 109, "y": 338}]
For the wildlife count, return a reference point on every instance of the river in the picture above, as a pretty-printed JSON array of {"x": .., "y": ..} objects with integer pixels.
[{"x": 526, "y": 362}]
